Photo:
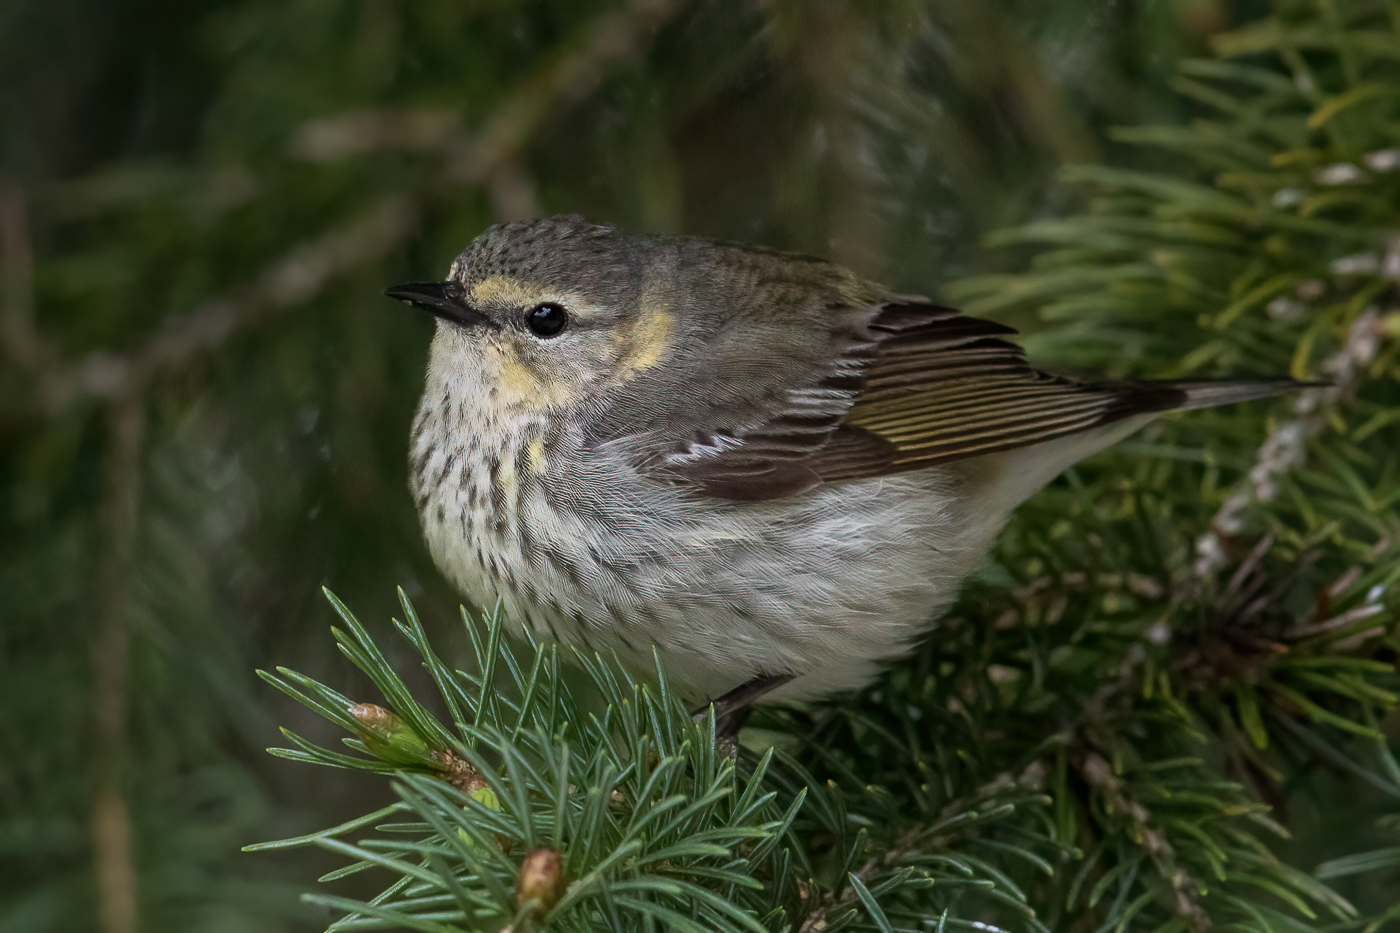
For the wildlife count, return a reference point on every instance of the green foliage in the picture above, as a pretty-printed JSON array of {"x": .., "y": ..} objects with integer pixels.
[
  {"x": 651, "y": 819},
  {"x": 1170, "y": 704},
  {"x": 1168, "y": 701},
  {"x": 204, "y": 397},
  {"x": 1266, "y": 647},
  {"x": 892, "y": 810}
]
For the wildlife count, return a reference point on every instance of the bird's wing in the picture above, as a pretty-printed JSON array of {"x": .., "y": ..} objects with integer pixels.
[
  {"x": 923, "y": 385},
  {"x": 945, "y": 387}
]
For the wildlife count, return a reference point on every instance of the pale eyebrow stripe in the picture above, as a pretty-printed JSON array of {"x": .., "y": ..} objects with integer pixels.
[{"x": 500, "y": 289}]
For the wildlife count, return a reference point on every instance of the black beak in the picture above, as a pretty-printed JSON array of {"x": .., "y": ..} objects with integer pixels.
[{"x": 442, "y": 299}]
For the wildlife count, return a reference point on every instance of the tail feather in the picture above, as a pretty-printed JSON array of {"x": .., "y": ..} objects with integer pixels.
[
  {"x": 1207, "y": 393},
  {"x": 1014, "y": 475}
]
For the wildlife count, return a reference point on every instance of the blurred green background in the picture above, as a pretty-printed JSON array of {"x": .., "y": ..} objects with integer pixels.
[{"x": 204, "y": 397}]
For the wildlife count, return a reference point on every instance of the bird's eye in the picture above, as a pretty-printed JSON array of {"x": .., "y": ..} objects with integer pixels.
[{"x": 546, "y": 320}]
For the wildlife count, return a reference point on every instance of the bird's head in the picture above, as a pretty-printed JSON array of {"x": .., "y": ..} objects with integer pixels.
[{"x": 545, "y": 314}]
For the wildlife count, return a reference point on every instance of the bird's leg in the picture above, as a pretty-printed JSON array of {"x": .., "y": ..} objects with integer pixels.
[{"x": 732, "y": 710}]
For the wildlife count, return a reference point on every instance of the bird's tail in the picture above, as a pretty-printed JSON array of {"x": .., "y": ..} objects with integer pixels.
[
  {"x": 1207, "y": 393},
  {"x": 1016, "y": 474}
]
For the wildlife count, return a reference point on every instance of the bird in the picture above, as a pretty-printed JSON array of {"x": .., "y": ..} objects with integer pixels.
[{"x": 771, "y": 472}]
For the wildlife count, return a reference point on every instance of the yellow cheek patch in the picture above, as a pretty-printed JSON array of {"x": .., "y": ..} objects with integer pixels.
[
  {"x": 647, "y": 343},
  {"x": 519, "y": 386},
  {"x": 534, "y": 456}
]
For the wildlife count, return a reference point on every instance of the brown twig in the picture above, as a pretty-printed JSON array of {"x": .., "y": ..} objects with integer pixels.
[
  {"x": 916, "y": 841},
  {"x": 118, "y": 381},
  {"x": 1186, "y": 889},
  {"x": 18, "y": 337},
  {"x": 473, "y": 157},
  {"x": 490, "y": 155},
  {"x": 113, "y": 855},
  {"x": 608, "y": 41},
  {"x": 292, "y": 281},
  {"x": 1085, "y": 731},
  {"x": 114, "y": 864},
  {"x": 1285, "y": 449},
  {"x": 823, "y": 39}
]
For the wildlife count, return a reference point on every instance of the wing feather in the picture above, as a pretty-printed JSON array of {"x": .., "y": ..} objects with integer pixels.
[{"x": 929, "y": 386}]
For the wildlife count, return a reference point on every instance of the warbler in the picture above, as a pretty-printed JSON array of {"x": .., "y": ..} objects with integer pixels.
[{"x": 771, "y": 471}]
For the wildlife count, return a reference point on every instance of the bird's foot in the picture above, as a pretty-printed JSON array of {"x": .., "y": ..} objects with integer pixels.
[{"x": 733, "y": 708}]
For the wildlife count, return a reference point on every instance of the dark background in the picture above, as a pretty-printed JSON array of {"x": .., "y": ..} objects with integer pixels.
[{"x": 204, "y": 398}]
